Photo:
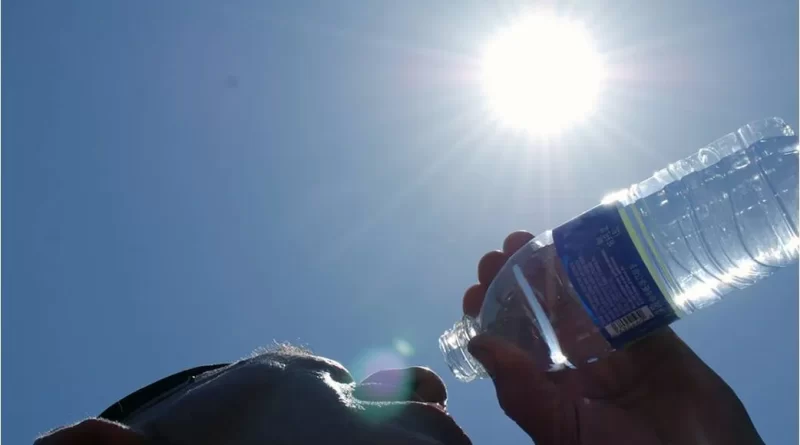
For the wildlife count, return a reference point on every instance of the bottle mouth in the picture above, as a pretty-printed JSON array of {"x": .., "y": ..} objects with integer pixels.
[{"x": 453, "y": 344}]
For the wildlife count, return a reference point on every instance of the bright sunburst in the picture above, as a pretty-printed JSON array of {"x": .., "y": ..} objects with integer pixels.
[{"x": 542, "y": 74}]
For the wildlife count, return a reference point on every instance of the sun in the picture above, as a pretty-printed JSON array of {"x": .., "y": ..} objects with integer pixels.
[{"x": 542, "y": 74}]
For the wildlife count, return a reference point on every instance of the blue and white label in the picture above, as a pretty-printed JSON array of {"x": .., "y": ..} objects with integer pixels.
[{"x": 604, "y": 264}]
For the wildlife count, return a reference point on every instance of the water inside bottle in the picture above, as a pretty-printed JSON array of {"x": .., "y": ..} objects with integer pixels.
[{"x": 726, "y": 225}]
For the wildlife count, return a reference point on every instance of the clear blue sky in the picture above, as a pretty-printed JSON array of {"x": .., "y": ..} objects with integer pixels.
[{"x": 184, "y": 181}]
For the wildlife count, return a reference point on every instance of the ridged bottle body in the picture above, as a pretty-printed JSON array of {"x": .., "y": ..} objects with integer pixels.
[{"x": 679, "y": 241}]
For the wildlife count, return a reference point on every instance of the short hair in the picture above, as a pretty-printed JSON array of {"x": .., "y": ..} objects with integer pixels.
[{"x": 282, "y": 349}]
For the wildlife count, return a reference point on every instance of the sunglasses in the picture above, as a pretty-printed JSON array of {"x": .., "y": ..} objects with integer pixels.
[{"x": 154, "y": 393}]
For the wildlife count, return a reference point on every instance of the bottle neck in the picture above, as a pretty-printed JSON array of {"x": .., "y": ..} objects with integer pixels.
[{"x": 453, "y": 344}]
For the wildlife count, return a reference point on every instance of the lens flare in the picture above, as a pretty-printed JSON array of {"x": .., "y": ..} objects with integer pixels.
[
  {"x": 391, "y": 387},
  {"x": 403, "y": 347}
]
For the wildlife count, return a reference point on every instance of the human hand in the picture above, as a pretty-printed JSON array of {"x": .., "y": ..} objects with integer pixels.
[{"x": 654, "y": 392}]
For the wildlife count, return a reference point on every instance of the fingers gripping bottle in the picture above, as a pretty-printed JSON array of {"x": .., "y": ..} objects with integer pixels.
[{"x": 697, "y": 230}]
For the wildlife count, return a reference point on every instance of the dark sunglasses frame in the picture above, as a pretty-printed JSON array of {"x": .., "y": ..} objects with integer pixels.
[{"x": 154, "y": 392}]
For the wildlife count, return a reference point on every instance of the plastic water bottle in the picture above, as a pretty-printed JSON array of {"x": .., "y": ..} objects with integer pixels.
[{"x": 647, "y": 255}]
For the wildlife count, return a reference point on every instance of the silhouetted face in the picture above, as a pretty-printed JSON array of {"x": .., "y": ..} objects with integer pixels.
[{"x": 295, "y": 398}]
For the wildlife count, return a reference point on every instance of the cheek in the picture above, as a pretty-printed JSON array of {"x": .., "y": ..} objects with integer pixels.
[
  {"x": 210, "y": 417},
  {"x": 220, "y": 411},
  {"x": 308, "y": 408}
]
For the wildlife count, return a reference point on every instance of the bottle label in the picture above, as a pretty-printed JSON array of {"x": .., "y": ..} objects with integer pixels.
[{"x": 606, "y": 262}]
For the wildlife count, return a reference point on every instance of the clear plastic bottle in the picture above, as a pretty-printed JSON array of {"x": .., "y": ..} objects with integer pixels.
[{"x": 677, "y": 242}]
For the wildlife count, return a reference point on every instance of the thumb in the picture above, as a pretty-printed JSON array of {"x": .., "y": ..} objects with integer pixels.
[{"x": 524, "y": 392}]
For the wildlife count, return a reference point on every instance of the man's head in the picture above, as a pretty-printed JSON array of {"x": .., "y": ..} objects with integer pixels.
[{"x": 283, "y": 396}]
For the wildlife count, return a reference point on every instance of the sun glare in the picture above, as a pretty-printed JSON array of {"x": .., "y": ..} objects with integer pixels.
[{"x": 542, "y": 74}]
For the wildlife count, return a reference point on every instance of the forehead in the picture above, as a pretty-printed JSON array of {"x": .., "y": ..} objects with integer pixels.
[{"x": 265, "y": 370}]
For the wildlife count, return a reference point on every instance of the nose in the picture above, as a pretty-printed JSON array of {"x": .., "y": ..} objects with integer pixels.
[{"x": 422, "y": 383}]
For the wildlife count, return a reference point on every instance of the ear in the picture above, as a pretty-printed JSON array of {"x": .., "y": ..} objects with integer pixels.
[{"x": 92, "y": 432}]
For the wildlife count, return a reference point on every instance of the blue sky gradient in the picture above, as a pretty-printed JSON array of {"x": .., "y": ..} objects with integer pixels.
[{"x": 185, "y": 181}]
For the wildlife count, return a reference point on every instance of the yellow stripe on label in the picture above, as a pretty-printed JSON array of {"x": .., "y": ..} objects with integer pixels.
[{"x": 646, "y": 258}]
